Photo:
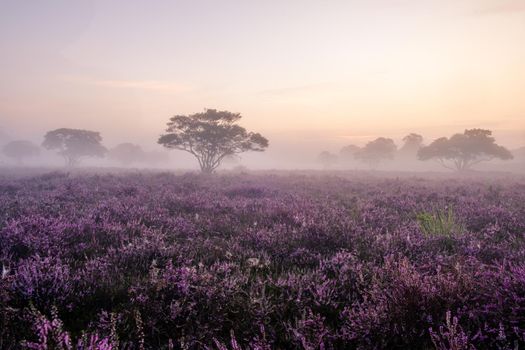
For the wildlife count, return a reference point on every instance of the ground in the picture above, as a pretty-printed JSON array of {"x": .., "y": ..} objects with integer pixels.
[{"x": 261, "y": 261}]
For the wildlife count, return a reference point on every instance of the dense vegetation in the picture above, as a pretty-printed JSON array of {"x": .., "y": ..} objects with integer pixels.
[{"x": 153, "y": 261}]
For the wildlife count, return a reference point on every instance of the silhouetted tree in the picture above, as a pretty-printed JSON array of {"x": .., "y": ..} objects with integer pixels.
[
  {"x": 462, "y": 151},
  {"x": 412, "y": 144},
  {"x": 20, "y": 150},
  {"x": 327, "y": 159},
  {"x": 74, "y": 144},
  {"x": 376, "y": 151},
  {"x": 232, "y": 159},
  {"x": 210, "y": 137},
  {"x": 126, "y": 153},
  {"x": 347, "y": 153}
]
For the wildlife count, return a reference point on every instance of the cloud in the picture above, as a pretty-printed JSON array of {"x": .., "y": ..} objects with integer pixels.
[{"x": 155, "y": 85}]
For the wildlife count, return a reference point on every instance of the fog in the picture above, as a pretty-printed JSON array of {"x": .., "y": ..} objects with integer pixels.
[
  {"x": 301, "y": 153},
  {"x": 243, "y": 174},
  {"x": 309, "y": 77}
]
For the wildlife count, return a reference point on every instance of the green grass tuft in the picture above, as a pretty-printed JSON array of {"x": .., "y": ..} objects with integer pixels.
[{"x": 440, "y": 223}]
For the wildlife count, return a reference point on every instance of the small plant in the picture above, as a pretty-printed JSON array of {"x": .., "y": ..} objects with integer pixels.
[
  {"x": 441, "y": 223},
  {"x": 451, "y": 337},
  {"x": 52, "y": 336}
]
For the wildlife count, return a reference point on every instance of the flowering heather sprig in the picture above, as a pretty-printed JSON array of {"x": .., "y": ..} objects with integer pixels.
[
  {"x": 52, "y": 336},
  {"x": 140, "y": 329},
  {"x": 451, "y": 336}
]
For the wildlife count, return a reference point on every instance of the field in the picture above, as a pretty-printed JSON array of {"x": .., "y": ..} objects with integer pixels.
[{"x": 261, "y": 261}]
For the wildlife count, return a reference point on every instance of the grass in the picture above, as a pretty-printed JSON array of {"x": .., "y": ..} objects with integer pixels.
[{"x": 439, "y": 223}]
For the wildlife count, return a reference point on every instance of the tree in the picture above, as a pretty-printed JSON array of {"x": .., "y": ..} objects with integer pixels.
[
  {"x": 327, "y": 159},
  {"x": 348, "y": 152},
  {"x": 412, "y": 144},
  {"x": 126, "y": 153},
  {"x": 210, "y": 137},
  {"x": 462, "y": 151},
  {"x": 20, "y": 150},
  {"x": 376, "y": 151},
  {"x": 74, "y": 144}
]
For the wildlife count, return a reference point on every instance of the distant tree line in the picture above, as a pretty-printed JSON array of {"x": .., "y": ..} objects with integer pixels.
[
  {"x": 459, "y": 152},
  {"x": 211, "y": 137},
  {"x": 214, "y": 136},
  {"x": 74, "y": 145}
]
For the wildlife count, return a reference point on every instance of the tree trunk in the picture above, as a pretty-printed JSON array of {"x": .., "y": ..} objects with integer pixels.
[
  {"x": 206, "y": 169},
  {"x": 71, "y": 162}
]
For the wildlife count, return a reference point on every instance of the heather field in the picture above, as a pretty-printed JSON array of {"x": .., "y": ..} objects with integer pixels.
[{"x": 261, "y": 261}]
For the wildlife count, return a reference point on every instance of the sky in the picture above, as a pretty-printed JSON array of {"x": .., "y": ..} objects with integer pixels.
[{"x": 309, "y": 75}]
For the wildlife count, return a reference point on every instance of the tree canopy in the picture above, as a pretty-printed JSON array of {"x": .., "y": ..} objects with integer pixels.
[
  {"x": 348, "y": 152},
  {"x": 412, "y": 143},
  {"x": 327, "y": 159},
  {"x": 74, "y": 144},
  {"x": 376, "y": 151},
  {"x": 462, "y": 151},
  {"x": 20, "y": 149},
  {"x": 210, "y": 137}
]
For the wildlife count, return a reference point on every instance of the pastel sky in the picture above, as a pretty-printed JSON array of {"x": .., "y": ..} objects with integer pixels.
[{"x": 308, "y": 74}]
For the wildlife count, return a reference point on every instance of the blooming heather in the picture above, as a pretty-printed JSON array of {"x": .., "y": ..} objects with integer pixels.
[{"x": 159, "y": 261}]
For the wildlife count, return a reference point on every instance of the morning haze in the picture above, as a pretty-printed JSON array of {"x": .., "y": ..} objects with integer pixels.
[
  {"x": 310, "y": 76},
  {"x": 258, "y": 175}
]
